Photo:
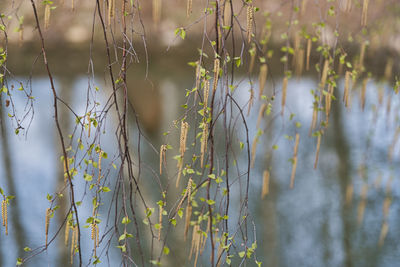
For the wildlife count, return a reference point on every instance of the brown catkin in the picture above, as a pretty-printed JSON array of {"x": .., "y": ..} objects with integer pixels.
[
  {"x": 250, "y": 17},
  {"x": 346, "y": 88},
  {"x": 189, "y": 7},
  {"x": 363, "y": 91},
  {"x": 160, "y": 221},
  {"x": 284, "y": 89},
  {"x": 206, "y": 93},
  {"x": 265, "y": 185},
  {"x": 324, "y": 73},
  {"x": 89, "y": 123},
  {"x": 299, "y": 63},
  {"x": 362, "y": 204},
  {"x": 73, "y": 5},
  {"x": 216, "y": 73},
  {"x": 364, "y": 13},
  {"x": 386, "y": 205},
  {"x": 204, "y": 141},
  {"x": 163, "y": 149},
  {"x": 4, "y": 215},
  {"x": 384, "y": 231},
  {"x": 99, "y": 166},
  {"x": 47, "y": 16},
  {"x": 187, "y": 220},
  {"x": 296, "y": 145},
  {"x": 314, "y": 119},
  {"x": 251, "y": 101},
  {"x": 362, "y": 55},
  {"x": 182, "y": 142},
  {"x": 309, "y": 45},
  {"x": 47, "y": 223},
  {"x": 262, "y": 78},
  {"x": 317, "y": 152}
]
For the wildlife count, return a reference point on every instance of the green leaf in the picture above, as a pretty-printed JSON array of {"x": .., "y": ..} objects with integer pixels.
[
  {"x": 166, "y": 250},
  {"x": 241, "y": 254},
  {"x": 27, "y": 249},
  {"x": 105, "y": 189},
  {"x": 126, "y": 220}
]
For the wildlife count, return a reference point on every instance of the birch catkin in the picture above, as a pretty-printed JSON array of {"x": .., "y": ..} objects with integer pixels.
[
  {"x": 364, "y": 13},
  {"x": 324, "y": 73},
  {"x": 250, "y": 17},
  {"x": 262, "y": 79},
  {"x": 216, "y": 73},
  {"x": 4, "y": 215},
  {"x": 309, "y": 44},
  {"x": 265, "y": 185},
  {"x": 296, "y": 146},
  {"x": 284, "y": 88},
  {"x": 189, "y": 8},
  {"x": 163, "y": 149},
  {"x": 47, "y": 16},
  {"x": 346, "y": 88},
  {"x": 317, "y": 152},
  {"x": 111, "y": 10},
  {"x": 47, "y": 223}
]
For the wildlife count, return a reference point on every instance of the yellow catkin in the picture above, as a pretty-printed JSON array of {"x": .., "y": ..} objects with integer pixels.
[
  {"x": 47, "y": 16},
  {"x": 346, "y": 88},
  {"x": 362, "y": 55},
  {"x": 393, "y": 144},
  {"x": 99, "y": 166},
  {"x": 253, "y": 53},
  {"x": 386, "y": 205},
  {"x": 314, "y": 119},
  {"x": 309, "y": 45},
  {"x": 261, "y": 114},
  {"x": 160, "y": 221},
  {"x": 363, "y": 91},
  {"x": 299, "y": 63},
  {"x": 265, "y": 185},
  {"x": 180, "y": 167},
  {"x": 182, "y": 142},
  {"x": 324, "y": 73},
  {"x": 345, "y": 5},
  {"x": 189, "y": 7},
  {"x": 362, "y": 204},
  {"x": 303, "y": 7},
  {"x": 204, "y": 141},
  {"x": 349, "y": 194},
  {"x": 296, "y": 146},
  {"x": 216, "y": 73},
  {"x": 227, "y": 13},
  {"x": 66, "y": 234},
  {"x": 111, "y": 11},
  {"x": 47, "y": 223},
  {"x": 89, "y": 123},
  {"x": 163, "y": 150},
  {"x": 388, "y": 69},
  {"x": 384, "y": 231},
  {"x": 250, "y": 17},
  {"x": 253, "y": 151},
  {"x": 284, "y": 89},
  {"x": 4, "y": 215},
  {"x": 187, "y": 220},
  {"x": 328, "y": 102},
  {"x": 262, "y": 78},
  {"x": 364, "y": 13},
  {"x": 206, "y": 93},
  {"x": 73, "y": 5},
  {"x": 317, "y": 152},
  {"x": 251, "y": 101}
]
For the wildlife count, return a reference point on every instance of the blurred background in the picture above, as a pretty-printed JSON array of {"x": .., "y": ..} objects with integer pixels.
[{"x": 343, "y": 213}]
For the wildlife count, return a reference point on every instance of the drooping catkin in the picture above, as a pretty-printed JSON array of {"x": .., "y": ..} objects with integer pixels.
[
  {"x": 345, "y": 5},
  {"x": 346, "y": 88},
  {"x": 187, "y": 220},
  {"x": 253, "y": 151},
  {"x": 314, "y": 119},
  {"x": 99, "y": 166},
  {"x": 4, "y": 215},
  {"x": 249, "y": 21},
  {"x": 317, "y": 152},
  {"x": 89, "y": 123},
  {"x": 206, "y": 93},
  {"x": 265, "y": 185},
  {"x": 204, "y": 141},
  {"x": 111, "y": 11},
  {"x": 160, "y": 217},
  {"x": 180, "y": 167},
  {"x": 362, "y": 55},
  {"x": 189, "y": 8},
  {"x": 349, "y": 194},
  {"x": 388, "y": 69},
  {"x": 163, "y": 150},
  {"x": 299, "y": 63},
  {"x": 182, "y": 140},
  {"x": 386, "y": 206},
  {"x": 364, "y": 13},
  {"x": 47, "y": 16},
  {"x": 383, "y": 234},
  {"x": 216, "y": 73},
  {"x": 261, "y": 114},
  {"x": 262, "y": 78},
  {"x": 303, "y": 7},
  {"x": 294, "y": 166},
  {"x": 66, "y": 234},
  {"x": 363, "y": 91},
  {"x": 328, "y": 102},
  {"x": 284, "y": 89},
  {"x": 251, "y": 101},
  {"x": 47, "y": 223},
  {"x": 74, "y": 244},
  {"x": 324, "y": 73},
  {"x": 362, "y": 204},
  {"x": 309, "y": 45}
]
